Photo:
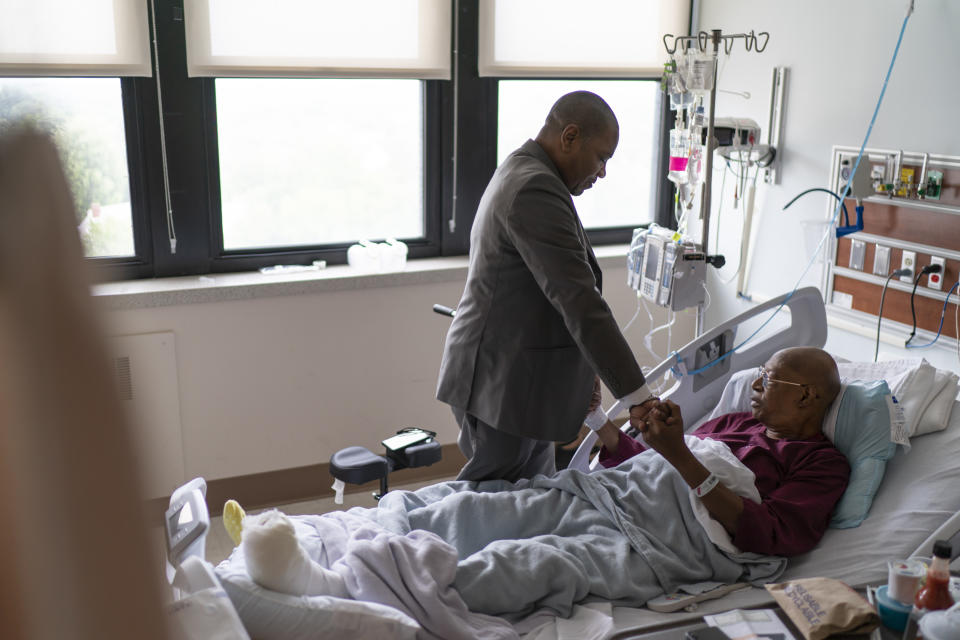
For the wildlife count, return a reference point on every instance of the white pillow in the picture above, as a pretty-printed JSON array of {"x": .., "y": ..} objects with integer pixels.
[
  {"x": 925, "y": 393},
  {"x": 735, "y": 397},
  {"x": 278, "y": 616},
  {"x": 936, "y": 415}
]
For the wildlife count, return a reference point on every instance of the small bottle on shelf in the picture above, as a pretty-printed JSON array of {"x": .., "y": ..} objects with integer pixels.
[{"x": 934, "y": 595}]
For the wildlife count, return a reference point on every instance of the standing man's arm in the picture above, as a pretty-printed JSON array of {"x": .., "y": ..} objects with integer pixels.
[{"x": 544, "y": 228}]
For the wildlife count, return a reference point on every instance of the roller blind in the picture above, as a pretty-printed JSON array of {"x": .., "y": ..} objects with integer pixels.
[
  {"x": 74, "y": 38},
  {"x": 573, "y": 39},
  {"x": 318, "y": 38}
]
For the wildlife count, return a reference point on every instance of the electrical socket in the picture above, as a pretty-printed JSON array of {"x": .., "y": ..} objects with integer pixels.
[
  {"x": 858, "y": 249},
  {"x": 908, "y": 260},
  {"x": 935, "y": 280},
  {"x": 881, "y": 260}
]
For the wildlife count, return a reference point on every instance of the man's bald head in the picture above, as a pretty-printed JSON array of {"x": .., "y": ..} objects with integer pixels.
[
  {"x": 586, "y": 110},
  {"x": 815, "y": 366},
  {"x": 579, "y": 136},
  {"x": 793, "y": 392}
]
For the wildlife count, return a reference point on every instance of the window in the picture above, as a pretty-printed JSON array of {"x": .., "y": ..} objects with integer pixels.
[
  {"x": 614, "y": 40},
  {"x": 315, "y": 162},
  {"x": 319, "y": 117},
  {"x": 607, "y": 39},
  {"x": 623, "y": 198},
  {"x": 60, "y": 69},
  {"x": 84, "y": 116},
  {"x": 252, "y": 135}
]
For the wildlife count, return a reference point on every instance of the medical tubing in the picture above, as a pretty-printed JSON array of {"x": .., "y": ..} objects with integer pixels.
[
  {"x": 930, "y": 268},
  {"x": 856, "y": 165},
  {"x": 846, "y": 215},
  {"x": 943, "y": 312},
  {"x": 913, "y": 311},
  {"x": 836, "y": 212},
  {"x": 883, "y": 295},
  {"x": 635, "y": 315},
  {"x": 671, "y": 319}
]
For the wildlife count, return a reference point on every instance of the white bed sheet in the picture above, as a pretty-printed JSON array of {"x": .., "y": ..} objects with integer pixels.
[{"x": 920, "y": 492}]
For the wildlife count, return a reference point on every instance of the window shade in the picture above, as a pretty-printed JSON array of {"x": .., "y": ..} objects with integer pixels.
[
  {"x": 319, "y": 38},
  {"x": 573, "y": 39},
  {"x": 75, "y": 38}
]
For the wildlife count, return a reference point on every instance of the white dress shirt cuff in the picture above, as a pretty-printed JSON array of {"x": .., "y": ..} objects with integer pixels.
[
  {"x": 596, "y": 418},
  {"x": 639, "y": 396}
]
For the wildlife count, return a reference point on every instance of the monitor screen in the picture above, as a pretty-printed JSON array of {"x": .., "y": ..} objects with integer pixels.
[{"x": 652, "y": 260}]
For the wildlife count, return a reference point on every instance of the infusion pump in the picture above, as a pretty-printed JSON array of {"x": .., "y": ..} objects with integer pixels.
[{"x": 667, "y": 270}]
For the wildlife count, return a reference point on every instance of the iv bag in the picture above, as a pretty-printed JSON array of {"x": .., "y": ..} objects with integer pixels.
[{"x": 679, "y": 155}]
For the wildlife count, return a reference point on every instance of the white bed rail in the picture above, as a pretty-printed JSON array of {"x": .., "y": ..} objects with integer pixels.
[{"x": 706, "y": 363}]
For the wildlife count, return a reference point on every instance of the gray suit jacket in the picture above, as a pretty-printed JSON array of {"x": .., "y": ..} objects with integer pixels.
[{"x": 532, "y": 328}]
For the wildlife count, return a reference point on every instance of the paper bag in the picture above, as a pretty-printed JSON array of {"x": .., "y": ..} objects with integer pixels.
[{"x": 820, "y": 607}]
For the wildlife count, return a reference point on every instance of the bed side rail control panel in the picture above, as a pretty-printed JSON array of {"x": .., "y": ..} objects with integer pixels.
[
  {"x": 410, "y": 447},
  {"x": 187, "y": 521}
]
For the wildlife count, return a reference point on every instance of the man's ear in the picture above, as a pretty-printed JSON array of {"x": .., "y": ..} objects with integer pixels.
[
  {"x": 569, "y": 136},
  {"x": 809, "y": 397}
]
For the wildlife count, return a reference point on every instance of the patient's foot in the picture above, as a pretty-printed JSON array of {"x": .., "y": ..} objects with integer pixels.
[
  {"x": 275, "y": 560},
  {"x": 232, "y": 518}
]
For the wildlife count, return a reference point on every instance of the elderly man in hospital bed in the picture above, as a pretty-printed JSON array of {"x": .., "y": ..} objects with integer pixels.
[
  {"x": 800, "y": 475},
  {"x": 454, "y": 554}
]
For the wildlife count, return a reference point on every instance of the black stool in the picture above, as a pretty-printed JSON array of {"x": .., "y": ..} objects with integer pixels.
[{"x": 358, "y": 465}]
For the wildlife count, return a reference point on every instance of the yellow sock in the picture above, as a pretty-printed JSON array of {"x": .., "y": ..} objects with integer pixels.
[{"x": 232, "y": 517}]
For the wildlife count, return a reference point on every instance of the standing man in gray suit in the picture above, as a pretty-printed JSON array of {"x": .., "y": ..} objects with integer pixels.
[{"x": 532, "y": 332}]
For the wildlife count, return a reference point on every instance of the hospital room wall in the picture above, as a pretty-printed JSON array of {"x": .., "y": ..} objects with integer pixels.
[
  {"x": 282, "y": 382},
  {"x": 837, "y": 54}
]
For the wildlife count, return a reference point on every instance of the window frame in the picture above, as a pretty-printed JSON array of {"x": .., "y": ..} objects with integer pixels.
[
  {"x": 334, "y": 253},
  {"x": 189, "y": 106}
]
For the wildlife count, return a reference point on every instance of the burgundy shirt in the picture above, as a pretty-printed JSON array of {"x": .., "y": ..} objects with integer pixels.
[{"x": 800, "y": 482}]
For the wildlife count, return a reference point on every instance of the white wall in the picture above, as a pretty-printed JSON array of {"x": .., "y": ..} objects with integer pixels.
[
  {"x": 279, "y": 382},
  {"x": 838, "y": 53}
]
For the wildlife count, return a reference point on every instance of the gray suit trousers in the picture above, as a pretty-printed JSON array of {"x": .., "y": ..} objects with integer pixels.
[{"x": 497, "y": 455}]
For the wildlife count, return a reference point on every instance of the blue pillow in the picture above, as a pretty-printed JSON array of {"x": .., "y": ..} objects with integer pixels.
[{"x": 860, "y": 428}]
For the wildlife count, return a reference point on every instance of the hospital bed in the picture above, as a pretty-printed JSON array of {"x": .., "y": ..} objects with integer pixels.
[{"x": 918, "y": 501}]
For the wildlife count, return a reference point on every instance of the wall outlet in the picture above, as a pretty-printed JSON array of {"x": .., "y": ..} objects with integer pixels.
[
  {"x": 908, "y": 260},
  {"x": 881, "y": 260},
  {"x": 935, "y": 280},
  {"x": 858, "y": 249}
]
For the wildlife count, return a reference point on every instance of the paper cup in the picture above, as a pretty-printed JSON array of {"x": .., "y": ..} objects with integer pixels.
[{"x": 904, "y": 578}]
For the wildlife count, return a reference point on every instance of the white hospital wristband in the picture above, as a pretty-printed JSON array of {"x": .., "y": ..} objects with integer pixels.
[
  {"x": 706, "y": 486},
  {"x": 596, "y": 419}
]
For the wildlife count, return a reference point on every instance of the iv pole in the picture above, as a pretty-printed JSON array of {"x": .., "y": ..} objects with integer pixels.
[{"x": 702, "y": 39}]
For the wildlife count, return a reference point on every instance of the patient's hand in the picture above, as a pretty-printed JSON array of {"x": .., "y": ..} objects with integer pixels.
[
  {"x": 664, "y": 430},
  {"x": 639, "y": 412}
]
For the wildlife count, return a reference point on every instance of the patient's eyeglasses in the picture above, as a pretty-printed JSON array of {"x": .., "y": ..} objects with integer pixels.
[{"x": 765, "y": 379}]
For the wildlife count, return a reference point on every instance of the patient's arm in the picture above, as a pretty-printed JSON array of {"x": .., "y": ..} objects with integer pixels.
[
  {"x": 611, "y": 439},
  {"x": 663, "y": 432}
]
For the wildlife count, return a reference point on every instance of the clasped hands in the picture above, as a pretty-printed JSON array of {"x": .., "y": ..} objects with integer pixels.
[{"x": 661, "y": 424}]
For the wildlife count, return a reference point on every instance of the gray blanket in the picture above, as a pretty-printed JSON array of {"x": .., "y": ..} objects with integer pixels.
[{"x": 626, "y": 535}]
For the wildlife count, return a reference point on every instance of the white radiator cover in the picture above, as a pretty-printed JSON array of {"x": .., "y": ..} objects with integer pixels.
[{"x": 145, "y": 366}]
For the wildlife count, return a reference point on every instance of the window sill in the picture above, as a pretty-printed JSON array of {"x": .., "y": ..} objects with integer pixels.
[{"x": 222, "y": 287}]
